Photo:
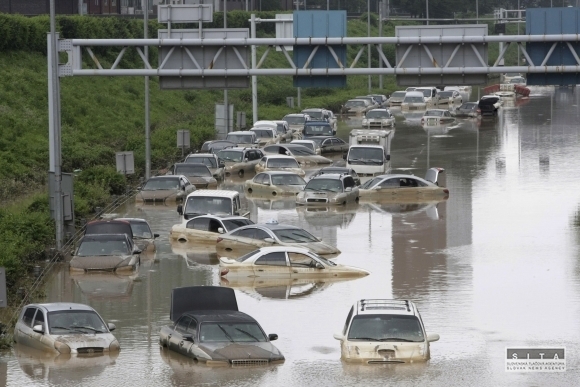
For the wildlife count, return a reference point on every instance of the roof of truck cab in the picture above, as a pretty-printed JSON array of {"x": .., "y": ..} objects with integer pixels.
[{"x": 214, "y": 192}]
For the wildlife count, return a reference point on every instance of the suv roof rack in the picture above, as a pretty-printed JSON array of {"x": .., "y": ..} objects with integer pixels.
[{"x": 375, "y": 304}]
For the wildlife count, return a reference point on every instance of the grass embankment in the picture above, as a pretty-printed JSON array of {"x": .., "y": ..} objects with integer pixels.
[{"x": 104, "y": 115}]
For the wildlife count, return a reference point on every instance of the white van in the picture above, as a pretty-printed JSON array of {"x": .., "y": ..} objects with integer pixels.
[
  {"x": 214, "y": 202},
  {"x": 369, "y": 153},
  {"x": 414, "y": 100},
  {"x": 430, "y": 94}
]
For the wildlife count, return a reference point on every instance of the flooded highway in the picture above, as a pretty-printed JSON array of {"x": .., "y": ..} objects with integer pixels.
[{"x": 494, "y": 266}]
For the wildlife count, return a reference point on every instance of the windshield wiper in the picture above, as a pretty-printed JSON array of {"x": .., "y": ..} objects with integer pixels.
[
  {"x": 68, "y": 329},
  {"x": 225, "y": 333},
  {"x": 364, "y": 338},
  {"x": 397, "y": 339},
  {"x": 92, "y": 329},
  {"x": 247, "y": 333}
]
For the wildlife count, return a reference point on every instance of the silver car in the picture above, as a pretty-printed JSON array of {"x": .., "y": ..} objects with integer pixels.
[
  {"x": 64, "y": 328},
  {"x": 329, "y": 189}
]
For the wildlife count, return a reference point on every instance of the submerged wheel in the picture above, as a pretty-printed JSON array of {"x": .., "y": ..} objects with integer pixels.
[
  {"x": 249, "y": 190},
  {"x": 241, "y": 173}
]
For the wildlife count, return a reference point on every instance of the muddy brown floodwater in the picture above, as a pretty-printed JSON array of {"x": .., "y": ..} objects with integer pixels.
[{"x": 495, "y": 266}]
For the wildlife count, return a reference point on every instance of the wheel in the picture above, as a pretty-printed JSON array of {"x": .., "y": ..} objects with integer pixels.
[
  {"x": 249, "y": 190},
  {"x": 241, "y": 173}
]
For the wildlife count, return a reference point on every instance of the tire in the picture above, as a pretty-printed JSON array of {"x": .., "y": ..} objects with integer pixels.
[
  {"x": 249, "y": 190},
  {"x": 241, "y": 173}
]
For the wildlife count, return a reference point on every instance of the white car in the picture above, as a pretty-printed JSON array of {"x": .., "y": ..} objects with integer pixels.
[
  {"x": 414, "y": 100},
  {"x": 64, "y": 327},
  {"x": 384, "y": 331},
  {"x": 450, "y": 97},
  {"x": 396, "y": 99},
  {"x": 378, "y": 118},
  {"x": 266, "y": 135},
  {"x": 434, "y": 117},
  {"x": 279, "y": 163},
  {"x": 273, "y": 183},
  {"x": 310, "y": 144}
]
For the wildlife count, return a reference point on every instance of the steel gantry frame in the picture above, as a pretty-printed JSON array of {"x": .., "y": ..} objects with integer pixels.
[{"x": 74, "y": 66}]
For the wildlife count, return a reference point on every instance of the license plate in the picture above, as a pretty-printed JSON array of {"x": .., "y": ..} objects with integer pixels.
[{"x": 431, "y": 121}]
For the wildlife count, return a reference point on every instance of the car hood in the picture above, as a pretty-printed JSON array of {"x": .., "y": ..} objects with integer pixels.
[
  {"x": 314, "y": 159},
  {"x": 100, "y": 262},
  {"x": 157, "y": 194},
  {"x": 75, "y": 341},
  {"x": 290, "y": 188},
  {"x": 200, "y": 179},
  {"x": 319, "y": 248},
  {"x": 241, "y": 351}
]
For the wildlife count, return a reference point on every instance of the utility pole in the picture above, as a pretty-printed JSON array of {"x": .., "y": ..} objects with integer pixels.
[
  {"x": 81, "y": 7},
  {"x": 380, "y": 45},
  {"x": 369, "y": 34},
  {"x": 147, "y": 127},
  {"x": 299, "y": 90},
  {"x": 427, "y": 12},
  {"x": 254, "y": 77},
  {"x": 476, "y": 11},
  {"x": 226, "y": 107}
]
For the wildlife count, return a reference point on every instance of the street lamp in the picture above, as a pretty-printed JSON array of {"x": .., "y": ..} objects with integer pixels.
[{"x": 427, "y": 12}]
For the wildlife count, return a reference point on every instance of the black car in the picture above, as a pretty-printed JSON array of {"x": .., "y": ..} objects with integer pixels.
[
  {"x": 467, "y": 109},
  {"x": 340, "y": 171},
  {"x": 209, "y": 328},
  {"x": 489, "y": 105},
  {"x": 317, "y": 128},
  {"x": 329, "y": 144},
  {"x": 216, "y": 145}
]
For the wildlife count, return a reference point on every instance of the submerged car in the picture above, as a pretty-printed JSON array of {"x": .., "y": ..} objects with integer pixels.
[
  {"x": 66, "y": 328},
  {"x": 279, "y": 163},
  {"x": 208, "y": 327},
  {"x": 210, "y": 160},
  {"x": 163, "y": 189},
  {"x": 143, "y": 237},
  {"x": 317, "y": 128},
  {"x": 266, "y": 135},
  {"x": 329, "y": 144},
  {"x": 489, "y": 105},
  {"x": 275, "y": 183},
  {"x": 285, "y": 262},
  {"x": 449, "y": 97},
  {"x": 249, "y": 238},
  {"x": 338, "y": 170},
  {"x": 240, "y": 160},
  {"x": 407, "y": 187},
  {"x": 206, "y": 228},
  {"x": 378, "y": 118},
  {"x": 296, "y": 121},
  {"x": 396, "y": 99},
  {"x": 384, "y": 331},
  {"x": 467, "y": 109},
  {"x": 329, "y": 189},
  {"x": 312, "y": 145},
  {"x": 198, "y": 174},
  {"x": 215, "y": 146},
  {"x": 414, "y": 100},
  {"x": 434, "y": 117},
  {"x": 302, "y": 154},
  {"x": 105, "y": 252},
  {"x": 243, "y": 138},
  {"x": 357, "y": 106},
  {"x": 319, "y": 114}
]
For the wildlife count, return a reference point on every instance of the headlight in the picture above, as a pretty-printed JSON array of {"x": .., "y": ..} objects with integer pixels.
[
  {"x": 114, "y": 346},
  {"x": 365, "y": 121},
  {"x": 333, "y": 200},
  {"x": 61, "y": 347}
]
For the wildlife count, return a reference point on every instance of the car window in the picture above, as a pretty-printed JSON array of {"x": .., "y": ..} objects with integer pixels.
[
  {"x": 272, "y": 149},
  {"x": 192, "y": 327},
  {"x": 214, "y": 224},
  {"x": 409, "y": 183},
  {"x": 182, "y": 324},
  {"x": 348, "y": 182},
  {"x": 390, "y": 183},
  {"x": 28, "y": 316},
  {"x": 447, "y": 114},
  {"x": 384, "y": 326},
  {"x": 277, "y": 258},
  {"x": 38, "y": 318},
  {"x": 347, "y": 320},
  {"x": 201, "y": 224},
  {"x": 259, "y": 179},
  {"x": 245, "y": 233},
  {"x": 261, "y": 234},
  {"x": 301, "y": 260}
]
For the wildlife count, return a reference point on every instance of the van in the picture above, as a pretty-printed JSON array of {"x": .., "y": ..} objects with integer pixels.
[
  {"x": 214, "y": 202},
  {"x": 369, "y": 153},
  {"x": 430, "y": 94},
  {"x": 414, "y": 100}
]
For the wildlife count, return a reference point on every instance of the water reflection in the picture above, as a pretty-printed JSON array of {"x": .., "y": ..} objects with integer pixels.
[
  {"x": 337, "y": 216},
  {"x": 105, "y": 286},
  {"x": 195, "y": 253}
]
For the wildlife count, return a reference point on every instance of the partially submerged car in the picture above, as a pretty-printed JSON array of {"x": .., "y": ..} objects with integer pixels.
[
  {"x": 215, "y": 146},
  {"x": 275, "y": 183},
  {"x": 143, "y": 237},
  {"x": 266, "y": 135},
  {"x": 240, "y": 160},
  {"x": 243, "y": 138},
  {"x": 467, "y": 109},
  {"x": 520, "y": 81},
  {"x": 296, "y": 121},
  {"x": 206, "y": 228},
  {"x": 329, "y": 189},
  {"x": 64, "y": 327},
  {"x": 405, "y": 187},
  {"x": 210, "y": 160},
  {"x": 357, "y": 106},
  {"x": 198, "y": 174},
  {"x": 434, "y": 117},
  {"x": 396, "y": 99},
  {"x": 319, "y": 114},
  {"x": 414, "y": 100},
  {"x": 248, "y": 238},
  {"x": 384, "y": 331},
  {"x": 284, "y": 131},
  {"x": 489, "y": 105},
  {"x": 317, "y": 128},
  {"x": 330, "y": 144},
  {"x": 285, "y": 262},
  {"x": 449, "y": 97},
  {"x": 279, "y": 163},
  {"x": 105, "y": 252},
  {"x": 338, "y": 170},
  {"x": 378, "y": 118},
  {"x": 302, "y": 154},
  {"x": 208, "y": 327},
  {"x": 218, "y": 202},
  {"x": 164, "y": 189},
  {"x": 312, "y": 145}
]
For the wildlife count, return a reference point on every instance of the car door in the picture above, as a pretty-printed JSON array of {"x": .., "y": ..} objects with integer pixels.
[
  {"x": 273, "y": 264},
  {"x": 240, "y": 241},
  {"x": 189, "y": 188},
  {"x": 42, "y": 340},
  {"x": 176, "y": 341},
  {"x": 302, "y": 265},
  {"x": 388, "y": 187},
  {"x": 199, "y": 228},
  {"x": 259, "y": 180},
  {"x": 326, "y": 146},
  {"x": 23, "y": 329},
  {"x": 353, "y": 194}
]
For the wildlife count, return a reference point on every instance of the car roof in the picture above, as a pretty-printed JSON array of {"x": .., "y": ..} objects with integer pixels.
[
  {"x": 215, "y": 192},
  {"x": 105, "y": 237},
  {"x": 262, "y": 128},
  {"x": 290, "y": 249},
  {"x": 312, "y": 110},
  {"x": 322, "y": 137},
  {"x": 56, "y": 306},
  {"x": 220, "y": 316},
  {"x": 414, "y": 94},
  {"x": 188, "y": 164},
  {"x": 296, "y": 115},
  {"x": 436, "y": 110},
  {"x": 378, "y": 110},
  {"x": 270, "y": 226},
  {"x": 334, "y": 176},
  {"x": 194, "y": 155},
  {"x": 302, "y": 141},
  {"x": 316, "y": 123},
  {"x": 286, "y": 173},
  {"x": 133, "y": 220},
  {"x": 242, "y": 132},
  {"x": 167, "y": 177},
  {"x": 333, "y": 168},
  {"x": 386, "y": 306},
  {"x": 269, "y": 157},
  {"x": 238, "y": 148},
  {"x": 403, "y": 176},
  {"x": 220, "y": 217}
]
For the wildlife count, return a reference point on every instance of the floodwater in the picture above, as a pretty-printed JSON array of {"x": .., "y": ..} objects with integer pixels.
[{"x": 495, "y": 266}]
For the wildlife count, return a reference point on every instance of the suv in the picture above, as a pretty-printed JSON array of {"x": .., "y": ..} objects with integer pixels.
[
  {"x": 339, "y": 170},
  {"x": 245, "y": 138},
  {"x": 384, "y": 331},
  {"x": 240, "y": 160},
  {"x": 334, "y": 189},
  {"x": 215, "y": 165},
  {"x": 318, "y": 114},
  {"x": 317, "y": 128}
]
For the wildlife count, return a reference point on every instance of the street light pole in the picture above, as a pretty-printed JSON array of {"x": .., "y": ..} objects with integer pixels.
[
  {"x": 427, "y": 12},
  {"x": 147, "y": 127},
  {"x": 226, "y": 104},
  {"x": 369, "y": 34}
]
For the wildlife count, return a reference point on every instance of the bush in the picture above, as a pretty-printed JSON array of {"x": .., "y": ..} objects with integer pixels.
[{"x": 105, "y": 177}]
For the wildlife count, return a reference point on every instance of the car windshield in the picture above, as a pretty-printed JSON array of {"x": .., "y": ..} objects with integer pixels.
[
  {"x": 219, "y": 145},
  {"x": 234, "y": 332},
  {"x": 361, "y": 155},
  {"x": 399, "y": 94},
  {"x": 294, "y": 120},
  {"x": 282, "y": 163},
  {"x": 208, "y": 205},
  {"x": 192, "y": 170},
  {"x": 329, "y": 185},
  {"x": 89, "y": 248},
  {"x": 378, "y": 114},
  {"x": 246, "y": 256},
  {"x": 301, "y": 151},
  {"x": 354, "y": 104},
  {"x": 295, "y": 235},
  {"x": 384, "y": 327},
  {"x": 317, "y": 130},
  {"x": 308, "y": 145},
  {"x": 434, "y": 113},
  {"x": 413, "y": 100},
  {"x": 445, "y": 94},
  {"x": 161, "y": 184},
  {"x": 141, "y": 230},
  {"x": 426, "y": 92},
  {"x": 468, "y": 106},
  {"x": 263, "y": 133},
  {"x": 71, "y": 322},
  {"x": 207, "y": 161},
  {"x": 314, "y": 114},
  {"x": 232, "y": 224},
  {"x": 240, "y": 138},
  {"x": 228, "y": 155},
  {"x": 369, "y": 183},
  {"x": 287, "y": 180}
]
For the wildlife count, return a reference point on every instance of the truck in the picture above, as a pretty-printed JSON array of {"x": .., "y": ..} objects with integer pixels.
[{"x": 369, "y": 151}]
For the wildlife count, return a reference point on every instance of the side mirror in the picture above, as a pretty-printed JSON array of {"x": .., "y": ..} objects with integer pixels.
[
  {"x": 38, "y": 328},
  {"x": 155, "y": 235},
  {"x": 267, "y": 183},
  {"x": 180, "y": 209},
  {"x": 111, "y": 326},
  {"x": 136, "y": 251},
  {"x": 222, "y": 165},
  {"x": 319, "y": 265},
  {"x": 272, "y": 337},
  {"x": 269, "y": 240},
  {"x": 344, "y": 156},
  {"x": 388, "y": 157},
  {"x": 338, "y": 336},
  {"x": 432, "y": 337},
  {"x": 348, "y": 189},
  {"x": 187, "y": 337},
  {"x": 220, "y": 230}
]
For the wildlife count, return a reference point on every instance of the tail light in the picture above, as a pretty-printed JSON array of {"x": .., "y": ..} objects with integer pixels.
[
  {"x": 422, "y": 121},
  {"x": 446, "y": 191},
  {"x": 219, "y": 239}
]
